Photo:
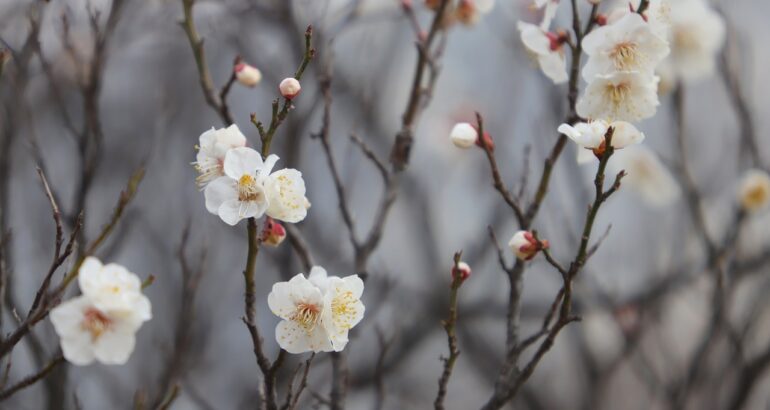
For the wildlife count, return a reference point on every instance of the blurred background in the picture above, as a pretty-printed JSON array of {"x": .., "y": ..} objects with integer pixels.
[{"x": 645, "y": 297}]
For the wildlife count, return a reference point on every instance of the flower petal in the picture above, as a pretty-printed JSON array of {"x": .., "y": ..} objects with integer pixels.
[
  {"x": 242, "y": 161},
  {"x": 219, "y": 191}
]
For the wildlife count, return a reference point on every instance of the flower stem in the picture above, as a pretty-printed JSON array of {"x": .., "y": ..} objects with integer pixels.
[{"x": 449, "y": 327}]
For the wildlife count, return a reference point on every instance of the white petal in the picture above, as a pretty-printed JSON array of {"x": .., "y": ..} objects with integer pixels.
[
  {"x": 88, "y": 275},
  {"x": 554, "y": 66},
  {"x": 270, "y": 162},
  {"x": 625, "y": 134},
  {"x": 114, "y": 347},
  {"x": 242, "y": 161},
  {"x": 219, "y": 191},
  {"x": 286, "y": 196},
  {"x": 534, "y": 38},
  {"x": 68, "y": 316},
  {"x": 280, "y": 300},
  {"x": 318, "y": 277},
  {"x": 231, "y": 211}
]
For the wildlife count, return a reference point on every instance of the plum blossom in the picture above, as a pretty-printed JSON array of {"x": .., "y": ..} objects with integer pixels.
[
  {"x": 620, "y": 96},
  {"x": 696, "y": 36},
  {"x": 754, "y": 192},
  {"x": 626, "y": 45},
  {"x": 646, "y": 175},
  {"x": 249, "y": 189},
  {"x": 549, "y": 11},
  {"x": 102, "y": 322},
  {"x": 548, "y": 49},
  {"x": 317, "y": 311},
  {"x": 462, "y": 271},
  {"x": 213, "y": 145},
  {"x": 591, "y": 135},
  {"x": 343, "y": 308},
  {"x": 299, "y": 303}
]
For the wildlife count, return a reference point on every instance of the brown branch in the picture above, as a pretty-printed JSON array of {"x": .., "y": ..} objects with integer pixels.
[
  {"x": 402, "y": 146},
  {"x": 496, "y": 178},
  {"x": 449, "y": 327},
  {"x": 31, "y": 379}
]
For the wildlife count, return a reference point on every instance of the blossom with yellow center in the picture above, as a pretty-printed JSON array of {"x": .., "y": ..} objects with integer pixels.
[
  {"x": 754, "y": 192},
  {"x": 300, "y": 304},
  {"x": 213, "y": 145},
  {"x": 620, "y": 96},
  {"x": 343, "y": 308},
  {"x": 102, "y": 322},
  {"x": 628, "y": 44}
]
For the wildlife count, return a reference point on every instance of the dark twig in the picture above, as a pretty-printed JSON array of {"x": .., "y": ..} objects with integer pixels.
[
  {"x": 32, "y": 379},
  {"x": 449, "y": 327}
]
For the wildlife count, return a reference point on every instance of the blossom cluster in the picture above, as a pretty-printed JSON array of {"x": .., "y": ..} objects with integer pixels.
[
  {"x": 238, "y": 183},
  {"x": 317, "y": 311},
  {"x": 101, "y": 323}
]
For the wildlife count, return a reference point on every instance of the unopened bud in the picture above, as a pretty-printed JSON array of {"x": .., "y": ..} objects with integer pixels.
[
  {"x": 462, "y": 271},
  {"x": 289, "y": 88},
  {"x": 601, "y": 19},
  {"x": 467, "y": 13},
  {"x": 273, "y": 232},
  {"x": 754, "y": 193},
  {"x": 525, "y": 246},
  {"x": 247, "y": 75},
  {"x": 463, "y": 135}
]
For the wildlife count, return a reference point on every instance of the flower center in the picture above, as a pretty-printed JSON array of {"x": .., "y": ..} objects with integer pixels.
[
  {"x": 756, "y": 195},
  {"x": 624, "y": 55},
  {"x": 95, "y": 322},
  {"x": 208, "y": 171},
  {"x": 685, "y": 38},
  {"x": 617, "y": 93},
  {"x": 248, "y": 189},
  {"x": 306, "y": 315},
  {"x": 343, "y": 309}
]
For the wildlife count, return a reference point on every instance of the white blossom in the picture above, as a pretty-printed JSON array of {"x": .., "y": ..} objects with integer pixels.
[
  {"x": 300, "y": 304},
  {"x": 547, "y": 49},
  {"x": 463, "y": 135},
  {"x": 342, "y": 308},
  {"x": 697, "y": 35},
  {"x": 646, "y": 175},
  {"x": 626, "y": 45},
  {"x": 213, "y": 145},
  {"x": 591, "y": 135},
  {"x": 549, "y": 11},
  {"x": 102, "y": 322},
  {"x": 620, "y": 96},
  {"x": 249, "y": 189},
  {"x": 754, "y": 192}
]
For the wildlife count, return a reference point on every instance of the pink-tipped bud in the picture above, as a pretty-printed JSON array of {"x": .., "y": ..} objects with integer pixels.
[
  {"x": 247, "y": 75},
  {"x": 462, "y": 271},
  {"x": 463, "y": 135},
  {"x": 525, "y": 246},
  {"x": 289, "y": 88},
  {"x": 273, "y": 232},
  {"x": 601, "y": 19}
]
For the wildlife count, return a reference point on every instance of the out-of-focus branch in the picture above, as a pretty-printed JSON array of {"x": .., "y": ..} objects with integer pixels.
[
  {"x": 31, "y": 379},
  {"x": 213, "y": 99},
  {"x": 426, "y": 63}
]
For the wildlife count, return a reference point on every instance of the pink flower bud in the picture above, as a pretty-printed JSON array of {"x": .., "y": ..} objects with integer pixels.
[
  {"x": 247, "y": 75},
  {"x": 601, "y": 20},
  {"x": 525, "y": 246},
  {"x": 273, "y": 233},
  {"x": 461, "y": 271},
  {"x": 289, "y": 87}
]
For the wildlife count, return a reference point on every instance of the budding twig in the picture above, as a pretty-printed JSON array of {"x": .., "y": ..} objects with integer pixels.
[{"x": 449, "y": 327}]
